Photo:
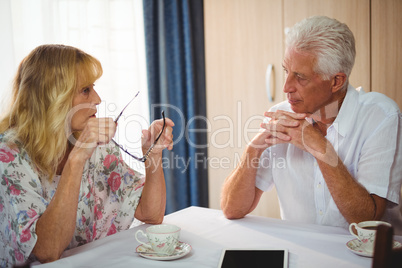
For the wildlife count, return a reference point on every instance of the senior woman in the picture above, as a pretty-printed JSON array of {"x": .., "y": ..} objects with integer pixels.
[{"x": 63, "y": 182}]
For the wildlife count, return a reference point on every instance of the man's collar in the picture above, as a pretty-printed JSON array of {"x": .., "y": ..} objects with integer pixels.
[{"x": 344, "y": 120}]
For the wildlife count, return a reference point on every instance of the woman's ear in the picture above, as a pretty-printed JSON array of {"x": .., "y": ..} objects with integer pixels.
[{"x": 338, "y": 81}]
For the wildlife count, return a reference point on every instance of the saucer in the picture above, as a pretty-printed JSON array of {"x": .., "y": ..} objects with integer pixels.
[
  {"x": 181, "y": 250},
  {"x": 354, "y": 245}
]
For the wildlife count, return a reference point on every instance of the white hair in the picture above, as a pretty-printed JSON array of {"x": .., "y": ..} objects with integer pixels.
[{"x": 330, "y": 41}]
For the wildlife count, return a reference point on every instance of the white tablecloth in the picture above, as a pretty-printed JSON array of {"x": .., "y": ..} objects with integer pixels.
[{"x": 208, "y": 232}]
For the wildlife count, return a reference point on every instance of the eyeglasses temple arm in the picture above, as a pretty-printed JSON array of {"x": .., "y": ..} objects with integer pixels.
[
  {"x": 156, "y": 140},
  {"x": 118, "y": 117}
]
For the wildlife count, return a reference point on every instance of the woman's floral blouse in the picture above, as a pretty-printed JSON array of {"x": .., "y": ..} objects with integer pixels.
[{"x": 109, "y": 194}]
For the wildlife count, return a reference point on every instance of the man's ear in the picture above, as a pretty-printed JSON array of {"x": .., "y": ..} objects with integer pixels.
[{"x": 338, "y": 81}]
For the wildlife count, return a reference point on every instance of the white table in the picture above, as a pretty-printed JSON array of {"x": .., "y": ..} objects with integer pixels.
[{"x": 208, "y": 232}]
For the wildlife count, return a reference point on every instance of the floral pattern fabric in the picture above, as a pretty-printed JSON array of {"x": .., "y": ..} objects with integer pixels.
[{"x": 109, "y": 194}]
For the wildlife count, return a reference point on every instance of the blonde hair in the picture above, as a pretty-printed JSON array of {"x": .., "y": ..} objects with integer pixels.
[{"x": 42, "y": 96}]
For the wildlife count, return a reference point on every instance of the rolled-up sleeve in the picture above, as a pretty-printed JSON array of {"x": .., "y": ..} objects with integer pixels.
[{"x": 380, "y": 163}]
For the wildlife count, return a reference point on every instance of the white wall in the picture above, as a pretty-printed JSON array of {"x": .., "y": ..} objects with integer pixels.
[{"x": 7, "y": 61}]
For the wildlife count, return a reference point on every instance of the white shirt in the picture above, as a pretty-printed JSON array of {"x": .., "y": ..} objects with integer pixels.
[{"x": 367, "y": 137}]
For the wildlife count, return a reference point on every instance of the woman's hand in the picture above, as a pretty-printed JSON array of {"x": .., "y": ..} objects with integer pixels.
[
  {"x": 165, "y": 141},
  {"x": 98, "y": 131}
]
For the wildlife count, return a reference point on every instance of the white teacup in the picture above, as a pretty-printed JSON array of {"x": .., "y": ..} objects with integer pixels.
[
  {"x": 163, "y": 238},
  {"x": 366, "y": 232}
]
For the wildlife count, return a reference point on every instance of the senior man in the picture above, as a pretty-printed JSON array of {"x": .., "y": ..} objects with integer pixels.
[{"x": 340, "y": 147}]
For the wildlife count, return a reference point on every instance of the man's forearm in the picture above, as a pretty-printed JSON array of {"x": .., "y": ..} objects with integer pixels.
[
  {"x": 239, "y": 193},
  {"x": 351, "y": 198}
]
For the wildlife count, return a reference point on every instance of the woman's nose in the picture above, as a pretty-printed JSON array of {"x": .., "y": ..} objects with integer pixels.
[{"x": 96, "y": 99}]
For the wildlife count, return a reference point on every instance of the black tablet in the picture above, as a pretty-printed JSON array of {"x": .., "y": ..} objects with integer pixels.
[{"x": 239, "y": 258}]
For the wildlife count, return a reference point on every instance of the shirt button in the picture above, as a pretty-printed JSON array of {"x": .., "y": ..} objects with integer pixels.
[
  {"x": 319, "y": 185},
  {"x": 321, "y": 212}
]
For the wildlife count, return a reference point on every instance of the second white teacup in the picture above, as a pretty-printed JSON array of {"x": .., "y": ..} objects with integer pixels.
[
  {"x": 366, "y": 232},
  {"x": 163, "y": 238}
]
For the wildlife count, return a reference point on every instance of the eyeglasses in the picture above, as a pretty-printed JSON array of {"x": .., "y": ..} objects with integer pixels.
[{"x": 146, "y": 155}]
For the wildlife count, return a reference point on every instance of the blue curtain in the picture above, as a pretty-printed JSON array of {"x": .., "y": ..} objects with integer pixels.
[{"x": 174, "y": 36}]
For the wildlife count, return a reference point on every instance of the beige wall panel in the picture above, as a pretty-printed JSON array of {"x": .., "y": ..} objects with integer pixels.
[
  {"x": 386, "y": 25},
  {"x": 355, "y": 13},
  {"x": 241, "y": 38}
]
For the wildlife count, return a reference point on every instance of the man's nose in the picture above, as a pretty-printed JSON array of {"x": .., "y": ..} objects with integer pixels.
[{"x": 289, "y": 85}]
